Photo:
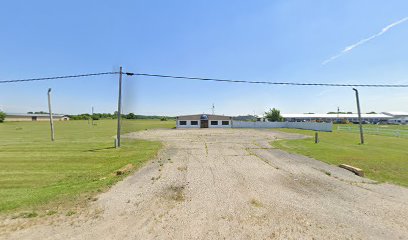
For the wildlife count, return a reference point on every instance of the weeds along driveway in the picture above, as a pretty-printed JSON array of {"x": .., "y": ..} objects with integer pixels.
[{"x": 229, "y": 183}]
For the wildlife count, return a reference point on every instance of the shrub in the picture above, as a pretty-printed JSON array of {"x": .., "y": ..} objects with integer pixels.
[
  {"x": 2, "y": 116},
  {"x": 273, "y": 115},
  {"x": 95, "y": 117}
]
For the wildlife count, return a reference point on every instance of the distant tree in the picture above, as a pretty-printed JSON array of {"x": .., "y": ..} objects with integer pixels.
[
  {"x": 2, "y": 116},
  {"x": 337, "y": 112},
  {"x": 372, "y": 113},
  {"x": 29, "y": 112},
  {"x": 96, "y": 117},
  {"x": 130, "y": 116},
  {"x": 163, "y": 119},
  {"x": 273, "y": 115},
  {"x": 246, "y": 118}
]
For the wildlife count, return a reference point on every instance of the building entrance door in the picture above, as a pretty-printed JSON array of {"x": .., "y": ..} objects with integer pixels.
[{"x": 204, "y": 124}]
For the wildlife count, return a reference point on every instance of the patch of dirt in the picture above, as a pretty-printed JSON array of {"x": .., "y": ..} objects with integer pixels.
[{"x": 175, "y": 193}]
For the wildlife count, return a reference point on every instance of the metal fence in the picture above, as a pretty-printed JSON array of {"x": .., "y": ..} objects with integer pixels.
[{"x": 376, "y": 131}]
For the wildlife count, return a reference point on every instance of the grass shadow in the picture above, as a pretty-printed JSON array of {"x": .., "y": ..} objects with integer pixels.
[{"x": 98, "y": 149}]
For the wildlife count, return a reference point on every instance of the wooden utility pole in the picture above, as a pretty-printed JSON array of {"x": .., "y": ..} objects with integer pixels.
[
  {"x": 50, "y": 113},
  {"x": 359, "y": 117},
  {"x": 119, "y": 108}
]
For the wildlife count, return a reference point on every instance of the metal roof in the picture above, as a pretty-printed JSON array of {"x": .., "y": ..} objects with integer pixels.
[
  {"x": 202, "y": 117},
  {"x": 323, "y": 115},
  {"x": 396, "y": 114},
  {"x": 33, "y": 115}
]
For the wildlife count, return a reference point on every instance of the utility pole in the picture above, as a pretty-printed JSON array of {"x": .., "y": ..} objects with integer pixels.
[
  {"x": 359, "y": 117},
  {"x": 338, "y": 114},
  {"x": 119, "y": 108},
  {"x": 50, "y": 113},
  {"x": 92, "y": 116},
  {"x": 213, "y": 109}
]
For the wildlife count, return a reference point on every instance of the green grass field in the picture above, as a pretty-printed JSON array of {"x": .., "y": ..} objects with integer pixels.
[
  {"x": 372, "y": 129},
  {"x": 36, "y": 172},
  {"x": 382, "y": 158}
]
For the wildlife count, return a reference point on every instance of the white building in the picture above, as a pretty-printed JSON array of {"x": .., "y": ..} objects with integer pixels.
[
  {"x": 384, "y": 117},
  {"x": 336, "y": 118},
  {"x": 23, "y": 117},
  {"x": 203, "y": 121},
  {"x": 397, "y": 117}
]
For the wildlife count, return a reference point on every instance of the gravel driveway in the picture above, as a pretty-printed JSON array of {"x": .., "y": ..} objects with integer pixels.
[{"x": 230, "y": 184}]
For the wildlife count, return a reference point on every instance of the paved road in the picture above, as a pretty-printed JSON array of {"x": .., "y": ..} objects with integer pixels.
[{"x": 230, "y": 184}]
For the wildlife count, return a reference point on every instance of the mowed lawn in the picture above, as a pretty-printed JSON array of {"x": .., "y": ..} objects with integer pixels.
[
  {"x": 35, "y": 171},
  {"x": 382, "y": 158}
]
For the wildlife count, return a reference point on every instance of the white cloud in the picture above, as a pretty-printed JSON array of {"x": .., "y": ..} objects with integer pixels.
[{"x": 363, "y": 41}]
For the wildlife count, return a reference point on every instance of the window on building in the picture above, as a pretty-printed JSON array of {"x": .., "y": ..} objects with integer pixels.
[
  {"x": 225, "y": 123},
  {"x": 183, "y": 122},
  {"x": 214, "y": 122},
  {"x": 194, "y": 122}
]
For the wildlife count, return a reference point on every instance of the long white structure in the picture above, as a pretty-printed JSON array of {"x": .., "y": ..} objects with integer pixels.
[
  {"x": 397, "y": 117},
  {"x": 384, "y": 117},
  {"x": 22, "y": 117},
  {"x": 352, "y": 117}
]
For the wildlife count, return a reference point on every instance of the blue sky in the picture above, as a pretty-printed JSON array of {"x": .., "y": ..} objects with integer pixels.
[{"x": 249, "y": 40}]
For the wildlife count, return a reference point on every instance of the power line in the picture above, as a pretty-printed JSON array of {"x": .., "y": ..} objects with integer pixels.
[
  {"x": 268, "y": 83},
  {"x": 209, "y": 79},
  {"x": 58, "y": 77}
]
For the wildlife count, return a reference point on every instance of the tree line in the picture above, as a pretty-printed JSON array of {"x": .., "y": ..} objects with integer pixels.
[{"x": 98, "y": 116}]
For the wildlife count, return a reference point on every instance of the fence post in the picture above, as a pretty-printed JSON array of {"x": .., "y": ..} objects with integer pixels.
[{"x": 316, "y": 137}]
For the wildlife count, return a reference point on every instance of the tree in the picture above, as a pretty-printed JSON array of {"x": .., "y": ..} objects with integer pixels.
[
  {"x": 273, "y": 115},
  {"x": 95, "y": 117},
  {"x": 131, "y": 116},
  {"x": 2, "y": 116}
]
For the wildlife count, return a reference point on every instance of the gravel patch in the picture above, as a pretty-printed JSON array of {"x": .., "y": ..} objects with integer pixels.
[{"x": 231, "y": 184}]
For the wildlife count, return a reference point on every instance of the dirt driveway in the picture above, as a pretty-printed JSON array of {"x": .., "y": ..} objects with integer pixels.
[{"x": 230, "y": 184}]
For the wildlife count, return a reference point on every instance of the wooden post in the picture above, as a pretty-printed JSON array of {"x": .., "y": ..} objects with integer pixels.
[
  {"x": 359, "y": 117},
  {"x": 119, "y": 109},
  {"x": 92, "y": 116},
  {"x": 50, "y": 113},
  {"x": 316, "y": 137}
]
